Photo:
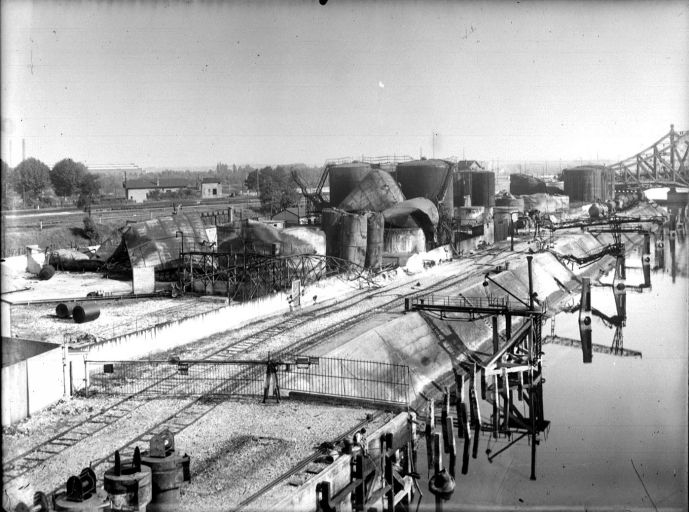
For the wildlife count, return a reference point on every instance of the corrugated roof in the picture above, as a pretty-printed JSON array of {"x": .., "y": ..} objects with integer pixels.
[
  {"x": 153, "y": 243},
  {"x": 210, "y": 180}
]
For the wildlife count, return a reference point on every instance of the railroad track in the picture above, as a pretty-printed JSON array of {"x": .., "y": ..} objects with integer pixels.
[{"x": 199, "y": 407}]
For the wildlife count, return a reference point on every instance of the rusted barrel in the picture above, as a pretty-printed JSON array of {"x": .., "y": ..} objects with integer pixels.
[
  {"x": 64, "y": 309},
  {"x": 169, "y": 471},
  {"x": 128, "y": 484},
  {"x": 46, "y": 273},
  {"x": 85, "y": 312}
]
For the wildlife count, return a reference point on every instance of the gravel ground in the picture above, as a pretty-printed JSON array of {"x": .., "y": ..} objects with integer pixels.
[{"x": 39, "y": 321}]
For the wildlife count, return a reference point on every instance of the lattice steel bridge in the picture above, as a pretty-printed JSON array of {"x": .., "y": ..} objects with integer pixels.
[{"x": 663, "y": 164}]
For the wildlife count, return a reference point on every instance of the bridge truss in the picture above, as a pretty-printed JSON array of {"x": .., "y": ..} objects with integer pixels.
[{"x": 663, "y": 164}]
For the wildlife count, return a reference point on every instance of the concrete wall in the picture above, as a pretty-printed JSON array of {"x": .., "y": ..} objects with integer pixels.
[
  {"x": 168, "y": 335},
  {"x": 31, "y": 384},
  {"x": 138, "y": 195}
]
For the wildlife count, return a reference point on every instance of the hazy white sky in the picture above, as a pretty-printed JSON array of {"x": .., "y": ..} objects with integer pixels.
[{"x": 194, "y": 83}]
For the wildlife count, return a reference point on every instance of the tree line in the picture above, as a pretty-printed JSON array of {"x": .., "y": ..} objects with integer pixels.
[{"x": 31, "y": 179}]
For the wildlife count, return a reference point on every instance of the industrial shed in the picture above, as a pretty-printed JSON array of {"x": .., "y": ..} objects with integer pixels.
[
  {"x": 151, "y": 249},
  {"x": 32, "y": 377}
]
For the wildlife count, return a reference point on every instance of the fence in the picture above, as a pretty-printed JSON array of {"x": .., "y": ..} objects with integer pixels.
[{"x": 352, "y": 379}]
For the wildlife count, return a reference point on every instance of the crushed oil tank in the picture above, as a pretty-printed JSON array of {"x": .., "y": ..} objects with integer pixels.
[
  {"x": 430, "y": 179},
  {"x": 588, "y": 184},
  {"x": 483, "y": 188},
  {"x": 353, "y": 237},
  {"x": 545, "y": 203},
  {"x": 314, "y": 237},
  {"x": 412, "y": 213},
  {"x": 331, "y": 223},
  {"x": 523, "y": 184},
  {"x": 376, "y": 192},
  {"x": 344, "y": 178},
  {"x": 85, "y": 312},
  {"x": 462, "y": 188},
  {"x": 501, "y": 222},
  {"x": 508, "y": 200},
  {"x": 374, "y": 240},
  {"x": 403, "y": 241}
]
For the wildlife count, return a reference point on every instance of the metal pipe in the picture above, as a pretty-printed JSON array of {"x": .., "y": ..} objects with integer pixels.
[{"x": 528, "y": 261}]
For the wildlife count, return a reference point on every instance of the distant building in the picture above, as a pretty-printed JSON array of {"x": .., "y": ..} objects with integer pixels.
[
  {"x": 294, "y": 217},
  {"x": 469, "y": 165},
  {"x": 138, "y": 189},
  {"x": 210, "y": 188}
]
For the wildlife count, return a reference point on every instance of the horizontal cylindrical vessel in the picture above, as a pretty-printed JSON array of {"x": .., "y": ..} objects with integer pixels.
[
  {"x": 46, "y": 273},
  {"x": 64, "y": 309},
  {"x": 85, "y": 312}
]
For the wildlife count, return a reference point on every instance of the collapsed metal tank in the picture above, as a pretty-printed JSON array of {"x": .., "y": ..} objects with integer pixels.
[
  {"x": 344, "y": 178},
  {"x": 588, "y": 183},
  {"x": 376, "y": 192},
  {"x": 403, "y": 241},
  {"x": 431, "y": 179},
  {"x": 483, "y": 188}
]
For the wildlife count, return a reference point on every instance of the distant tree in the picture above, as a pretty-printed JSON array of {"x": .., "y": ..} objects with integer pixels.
[
  {"x": 67, "y": 176},
  {"x": 30, "y": 179},
  {"x": 89, "y": 189},
  {"x": 277, "y": 189},
  {"x": 222, "y": 168}
]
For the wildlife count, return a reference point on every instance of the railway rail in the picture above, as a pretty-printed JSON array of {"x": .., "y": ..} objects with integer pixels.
[{"x": 197, "y": 408}]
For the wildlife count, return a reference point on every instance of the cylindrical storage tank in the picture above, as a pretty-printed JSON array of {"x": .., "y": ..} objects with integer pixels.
[
  {"x": 85, "y": 312},
  {"x": 168, "y": 473},
  {"x": 429, "y": 179},
  {"x": 461, "y": 187},
  {"x": 344, "y": 178},
  {"x": 374, "y": 240},
  {"x": 64, "y": 309},
  {"x": 331, "y": 223},
  {"x": 404, "y": 241},
  {"x": 483, "y": 188},
  {"x": 46, "y": 273},
  {"x": 516, "y": 203},
  {"x": 525, "y": 184},
  {"x": 584, "y": 184},
  {"x": 353, "y": 237},
  {"x": 501, "y": 222}
]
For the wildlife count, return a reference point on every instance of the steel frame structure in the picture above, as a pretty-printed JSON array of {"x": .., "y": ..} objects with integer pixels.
[
  {"x": 248, "y": 276},
  {"x": 516, "y": 366},
  {"x": 664, "y": 163}
]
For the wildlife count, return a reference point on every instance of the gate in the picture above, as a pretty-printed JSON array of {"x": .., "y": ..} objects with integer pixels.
[{"x": 319, "y": 376}]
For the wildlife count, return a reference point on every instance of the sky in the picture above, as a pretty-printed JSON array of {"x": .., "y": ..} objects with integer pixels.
[{"x": 195, "y": 83}]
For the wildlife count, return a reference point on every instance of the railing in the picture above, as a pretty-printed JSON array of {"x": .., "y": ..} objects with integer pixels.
[{"x": 332, "y": 377}]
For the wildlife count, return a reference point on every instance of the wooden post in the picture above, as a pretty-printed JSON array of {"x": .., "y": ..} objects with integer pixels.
[
  {"x": 445, "y": 415},
  {"x": 438, "y": 466},
  {"x": 451, "y": 446},
  {"x": 508, "y": 326},
  {"x": 496, "y": 339},
  {"x": 506, "y": 399},
  {"x": 496, "y": 394}
]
